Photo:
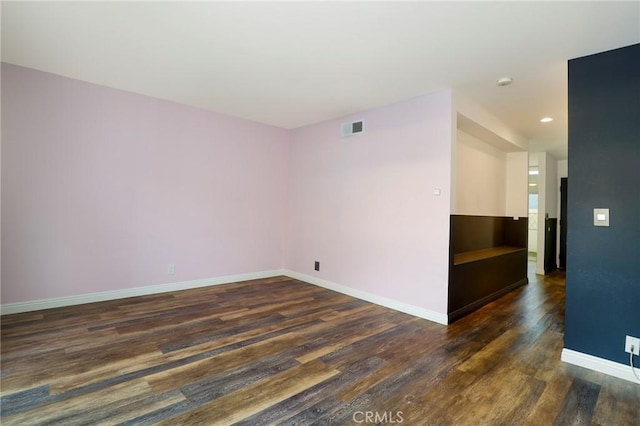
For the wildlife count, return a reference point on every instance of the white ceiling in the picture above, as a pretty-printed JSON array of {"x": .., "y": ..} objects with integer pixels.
[{"x": 294, "y": 63}]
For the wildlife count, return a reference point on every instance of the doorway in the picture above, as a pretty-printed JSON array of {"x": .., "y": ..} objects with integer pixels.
[
  {"x": 562, "y": 252},
  {"x": 533, "y": 214}
]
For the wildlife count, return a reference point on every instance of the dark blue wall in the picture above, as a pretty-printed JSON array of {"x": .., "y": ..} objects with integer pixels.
[{"x": 603, "y": 264}]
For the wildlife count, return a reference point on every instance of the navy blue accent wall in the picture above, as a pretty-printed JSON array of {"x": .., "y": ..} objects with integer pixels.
[{"x": 603, "y": 264}]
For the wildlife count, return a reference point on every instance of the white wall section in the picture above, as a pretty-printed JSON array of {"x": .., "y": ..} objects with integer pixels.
[{"x": 480, "y": 176}]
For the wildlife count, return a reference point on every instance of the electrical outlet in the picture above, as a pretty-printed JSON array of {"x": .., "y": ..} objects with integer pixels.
[
  {"x": 316, "y": 266},
  {"x": 632, "y": 345},
  {"x": 171, "y": 269}
]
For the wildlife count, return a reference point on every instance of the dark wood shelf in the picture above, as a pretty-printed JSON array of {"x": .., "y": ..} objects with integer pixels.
[
  {"x": 477, "y": 255},
  {"x": 488, "y": 258}
]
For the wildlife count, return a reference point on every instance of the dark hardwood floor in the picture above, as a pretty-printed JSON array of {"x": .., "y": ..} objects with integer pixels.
[{"x": 279, "y": 351}]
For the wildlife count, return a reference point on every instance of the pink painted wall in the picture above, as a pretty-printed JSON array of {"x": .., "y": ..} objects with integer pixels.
[
  {"x": 102, "y": 189},
  {"x": 364, "y": 206}
]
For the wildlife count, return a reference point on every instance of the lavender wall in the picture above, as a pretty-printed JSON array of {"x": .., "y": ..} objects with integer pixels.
[
  {"x": 101, "y": 189},
  {"x": 364, "y": 206}
]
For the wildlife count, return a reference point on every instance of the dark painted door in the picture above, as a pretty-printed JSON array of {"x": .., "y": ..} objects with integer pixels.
[
  {"x": 563, "y": 223},
  {"x": 550, "y": 235}
]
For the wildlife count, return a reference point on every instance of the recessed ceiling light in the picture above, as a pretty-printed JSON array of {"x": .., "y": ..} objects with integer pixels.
[
  {"x": 504, "y": 81},
  {"x": 533, "y": 172},
  {"x": 546, "y": 119},
  {"x": 533, "y": 184}
]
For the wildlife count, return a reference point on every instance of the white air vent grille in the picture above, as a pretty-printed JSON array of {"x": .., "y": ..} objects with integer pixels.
[{"x": 352, "y": 128}]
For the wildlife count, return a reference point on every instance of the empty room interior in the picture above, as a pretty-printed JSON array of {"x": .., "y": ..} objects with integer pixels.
[{"x": 330, "y": 213}]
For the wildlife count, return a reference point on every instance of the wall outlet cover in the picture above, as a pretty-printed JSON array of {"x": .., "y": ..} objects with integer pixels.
[{"x": 632, "y": 342}]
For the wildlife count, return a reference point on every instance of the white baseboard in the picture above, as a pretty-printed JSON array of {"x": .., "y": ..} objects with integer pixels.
[
  {"x": 370, "y": 297},
  {"x": 35, "y": 305},
  {"x": 615, "y": 369}
]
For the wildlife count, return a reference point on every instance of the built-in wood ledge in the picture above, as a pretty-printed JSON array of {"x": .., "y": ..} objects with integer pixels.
[{"x": 476, "y": 255}]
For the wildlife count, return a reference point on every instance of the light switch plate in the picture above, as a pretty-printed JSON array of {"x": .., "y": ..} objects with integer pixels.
[{"x": 600, "y": 217}]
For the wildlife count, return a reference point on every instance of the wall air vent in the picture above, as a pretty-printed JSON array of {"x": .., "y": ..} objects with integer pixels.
[{"x": 353, "y": 128}]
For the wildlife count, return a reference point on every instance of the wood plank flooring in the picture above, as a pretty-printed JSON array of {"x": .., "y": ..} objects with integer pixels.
[{"x": 280, "y": 351}]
